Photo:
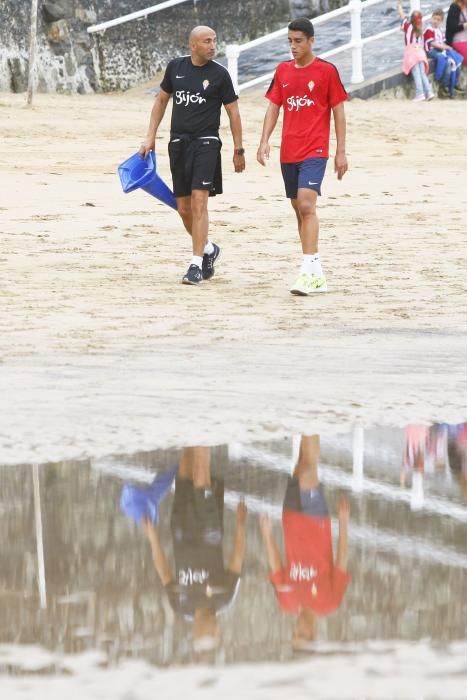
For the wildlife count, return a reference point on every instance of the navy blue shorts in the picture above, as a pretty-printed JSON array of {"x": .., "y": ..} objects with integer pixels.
[
  {"x": 310, "y": 502},
  {"x": 309, "y": 174}
]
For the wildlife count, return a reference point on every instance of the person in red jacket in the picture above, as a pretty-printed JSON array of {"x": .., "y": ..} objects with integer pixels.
[{"x": 310, "y": 582}]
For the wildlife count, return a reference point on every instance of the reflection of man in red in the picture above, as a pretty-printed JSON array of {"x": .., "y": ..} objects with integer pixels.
[{"x": 310, "y": 583}]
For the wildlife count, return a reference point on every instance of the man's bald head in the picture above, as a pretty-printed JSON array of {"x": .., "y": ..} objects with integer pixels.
[
  {"x": 203, "y": 43},
  {"x": 196, "y": 32}
]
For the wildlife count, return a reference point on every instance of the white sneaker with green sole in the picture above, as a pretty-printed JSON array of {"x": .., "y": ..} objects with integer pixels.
[
  {"x": 302, "y": 285},
  {"x": 318, "y": 284},
  {"x": 307, "y": 284}
]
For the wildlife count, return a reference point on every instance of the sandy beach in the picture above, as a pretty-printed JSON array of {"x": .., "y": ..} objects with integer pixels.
[{"x": 102, "y": 348}]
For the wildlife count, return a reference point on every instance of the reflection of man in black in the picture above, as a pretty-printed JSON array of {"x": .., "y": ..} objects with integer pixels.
[{"x": 202, "y": 586}]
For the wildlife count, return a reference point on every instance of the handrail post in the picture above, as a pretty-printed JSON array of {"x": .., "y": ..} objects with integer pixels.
[
  {"x": 355, "y": 9},
  {"x": 417, "y": 496},
  {"x": 232, "y": 51}
]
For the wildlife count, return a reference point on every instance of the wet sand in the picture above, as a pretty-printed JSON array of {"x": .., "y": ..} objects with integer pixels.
[
  {"x": 103, "y": 348},
  {"x": 375, "y": 670}
]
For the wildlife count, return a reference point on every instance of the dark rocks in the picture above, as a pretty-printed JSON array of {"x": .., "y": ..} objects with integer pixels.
[
  {"x": 308, "y": 8},
  {"x": 53, "y": 11},
  {"x": 18, "y": 74},
  {"x": 58, "y": 31}
]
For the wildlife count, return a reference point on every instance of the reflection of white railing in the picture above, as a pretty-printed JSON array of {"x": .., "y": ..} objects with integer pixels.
[
  {"x": 39, "y": 536},
  {"x": 335, "y": 476},
  {"x": 140, "y": 14},
  {"x": 356, "y": 43}
]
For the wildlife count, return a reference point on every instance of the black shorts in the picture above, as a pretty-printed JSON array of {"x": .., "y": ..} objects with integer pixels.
[
  {"x": 197, "y": 513},
  {"x": 196, "y": 165}
]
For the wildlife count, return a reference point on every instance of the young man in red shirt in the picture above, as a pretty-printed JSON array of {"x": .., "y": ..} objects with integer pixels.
[
  {"x": 307, "y": 88},
  {"x": 310, "y": 583}
]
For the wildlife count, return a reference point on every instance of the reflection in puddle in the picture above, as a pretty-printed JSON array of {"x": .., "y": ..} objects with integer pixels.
[{"x": 240, "y": 553}]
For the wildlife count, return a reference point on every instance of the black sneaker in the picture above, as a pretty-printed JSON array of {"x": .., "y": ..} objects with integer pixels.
[
  {"x": 193, "y": 275},
  {"x": 208, "y": 262},
  {"x": 459, "y": 89}
]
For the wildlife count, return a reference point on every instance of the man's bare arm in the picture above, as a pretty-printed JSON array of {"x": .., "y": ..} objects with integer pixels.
[
  {"x": 269, "y": 124},
  {"x": 157, "y": 113},
  {"x": 233, "y": 113},
  {"x": 159, "y": 559},
  {"x": 238, "y": 550},
  {"x": 340, "y": 161},
  {"x": 272, "y": 550}
]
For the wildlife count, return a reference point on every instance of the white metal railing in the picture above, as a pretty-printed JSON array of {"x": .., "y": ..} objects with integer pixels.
[
  {"x": 233, "y": 51},
  {"x": 356, "y": 43},
  {"x": 140, "y": 14}
]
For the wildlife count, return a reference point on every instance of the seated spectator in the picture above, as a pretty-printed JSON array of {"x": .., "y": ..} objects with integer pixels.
[
  {"x": 415, "y": 60},
  {"x": 448, "y": 62},
  {"x": 456, "y": 27}
]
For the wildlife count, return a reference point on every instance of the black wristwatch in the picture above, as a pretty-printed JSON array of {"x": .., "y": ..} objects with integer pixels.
[{"x": 239, "y": 151}]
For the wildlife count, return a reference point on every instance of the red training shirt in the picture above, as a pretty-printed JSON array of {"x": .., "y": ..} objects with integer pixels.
[
  {"x": 310, "y": 578},
  {"x": 409, "y": 33},
  {"x": 307, "y": 96},
  {"x": 431, "y": 35}
]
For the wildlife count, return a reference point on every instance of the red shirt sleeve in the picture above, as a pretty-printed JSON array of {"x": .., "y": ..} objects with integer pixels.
[
  {"x": 284, "y": 591},
  {"x": 274, "y": 91},
  {"x": 336, "y": 90},
  {"x": 428, "y": 37}
]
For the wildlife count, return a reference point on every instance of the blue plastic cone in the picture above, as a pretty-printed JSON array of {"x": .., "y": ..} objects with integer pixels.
[
  {"x": 138, "y": 502},
  {"x": 137, "y": 172}
]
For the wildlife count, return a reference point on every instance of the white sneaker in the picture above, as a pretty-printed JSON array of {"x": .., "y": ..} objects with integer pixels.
[
  {"x": 318, "y": 284},
  {"x": 419, "y": 98},
  {"x": 307, "y": 284},
  {"x": 429, "y": 96},
  {"x": 302, "y": 285}
]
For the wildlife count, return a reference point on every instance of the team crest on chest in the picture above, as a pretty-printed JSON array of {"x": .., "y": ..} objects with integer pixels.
[
  {"x": 311, "y": 85},
  {"x": 205, "y": 84}
]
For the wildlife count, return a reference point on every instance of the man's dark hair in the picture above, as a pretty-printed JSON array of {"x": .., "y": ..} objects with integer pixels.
[{"x": 302, "y": 24}]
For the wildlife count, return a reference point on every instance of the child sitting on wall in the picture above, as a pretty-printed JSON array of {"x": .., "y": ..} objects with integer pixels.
[{"x": 448, "y": 62}]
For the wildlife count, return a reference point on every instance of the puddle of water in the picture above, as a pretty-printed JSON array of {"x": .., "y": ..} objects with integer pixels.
[{"x": 269, "y": 552}]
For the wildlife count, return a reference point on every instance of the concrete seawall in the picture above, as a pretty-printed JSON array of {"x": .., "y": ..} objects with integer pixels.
[{"x": 393, "y": 83}]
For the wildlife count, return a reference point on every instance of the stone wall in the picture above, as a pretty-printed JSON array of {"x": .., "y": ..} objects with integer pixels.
[{"x": 69, "y": 59}]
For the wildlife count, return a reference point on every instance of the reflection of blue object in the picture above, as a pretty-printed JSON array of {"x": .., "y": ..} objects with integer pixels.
[
  {"x": 138, "y": 172},
  {"x": 138, "y": 502}
]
